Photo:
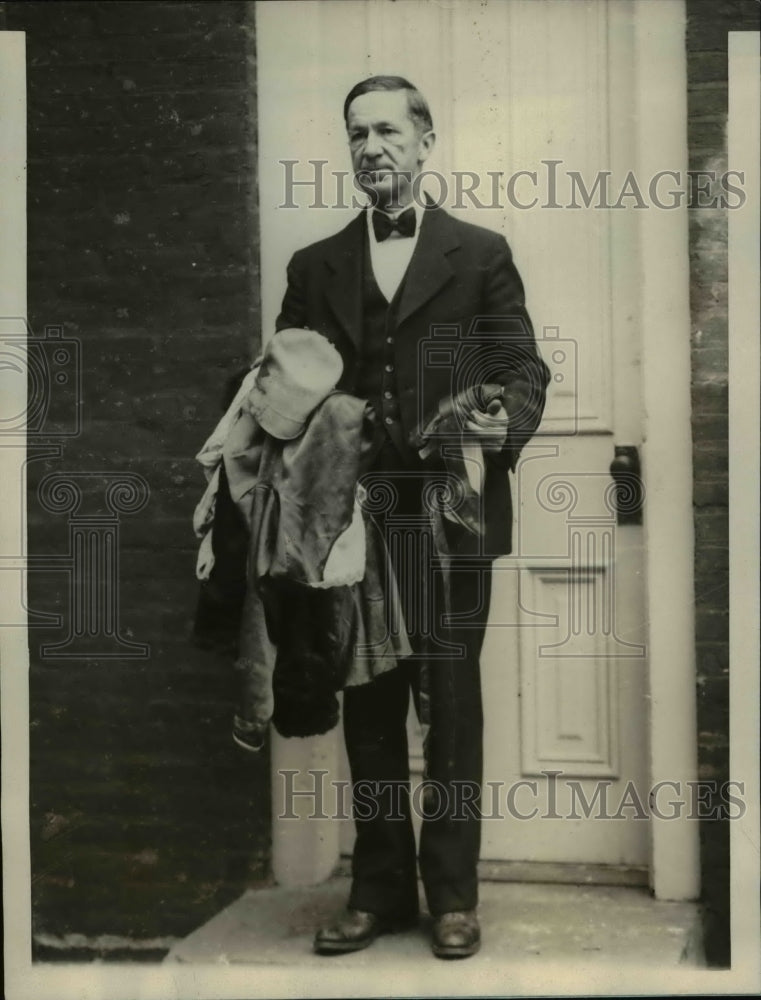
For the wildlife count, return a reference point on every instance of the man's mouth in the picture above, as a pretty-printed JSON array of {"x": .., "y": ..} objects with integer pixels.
[{"x": 377, "y": 174}]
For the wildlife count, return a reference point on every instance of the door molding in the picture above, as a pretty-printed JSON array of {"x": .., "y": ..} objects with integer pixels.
[{"x": 660, "y": 72}]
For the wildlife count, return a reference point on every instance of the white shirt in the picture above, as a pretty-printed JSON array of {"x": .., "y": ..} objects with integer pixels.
[{"x": 391, "y": 258}]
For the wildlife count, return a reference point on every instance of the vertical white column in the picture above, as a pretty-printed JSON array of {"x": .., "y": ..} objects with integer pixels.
[
  {"x": 744, "y": 148},
  {"x": 300, "y": 118},
  {"x": 661, "y": 94},
  {"x": 14, "y": 655}
]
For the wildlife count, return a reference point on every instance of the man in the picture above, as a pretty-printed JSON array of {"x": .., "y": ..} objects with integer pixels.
[{"x": 380, "y": 290}]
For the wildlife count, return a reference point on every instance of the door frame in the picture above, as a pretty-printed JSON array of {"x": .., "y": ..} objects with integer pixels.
[
  {"x": 661, "y": 101},
  {"x": 659, "y": 74}
]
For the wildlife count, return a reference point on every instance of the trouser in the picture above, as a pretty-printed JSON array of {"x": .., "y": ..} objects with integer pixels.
[{"x": 375, "y": 717}]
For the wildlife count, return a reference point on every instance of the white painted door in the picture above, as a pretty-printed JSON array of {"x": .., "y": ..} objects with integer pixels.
[
  {"x": 564, "y": 670},
  {"x": 542, "y": 86}
]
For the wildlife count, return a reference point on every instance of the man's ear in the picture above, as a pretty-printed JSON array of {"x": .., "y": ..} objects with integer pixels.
[{"x": 427, "y": 142}]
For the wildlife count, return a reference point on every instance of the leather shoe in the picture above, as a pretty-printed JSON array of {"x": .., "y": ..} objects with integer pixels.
[
  {"x": 356, "y": 930},
  {"x": 456, "y": 935}
]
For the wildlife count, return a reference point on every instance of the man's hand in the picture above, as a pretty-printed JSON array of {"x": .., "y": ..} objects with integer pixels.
[{"x": 490, "y": 428}]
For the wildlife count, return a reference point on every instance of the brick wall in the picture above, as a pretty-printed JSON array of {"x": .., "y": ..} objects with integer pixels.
[
  {"x": 142, "y": 247},
  {"x": 707, "y": 28}
]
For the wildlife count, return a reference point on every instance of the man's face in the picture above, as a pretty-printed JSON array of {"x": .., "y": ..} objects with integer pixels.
[{"x": 387, "y": 149}]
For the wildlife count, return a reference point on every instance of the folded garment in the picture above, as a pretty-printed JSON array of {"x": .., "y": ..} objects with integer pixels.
[
  {"x": 211, "y": 453},
  {"x": 445, "y": 436},
  {"x": 321, "y": 610}
]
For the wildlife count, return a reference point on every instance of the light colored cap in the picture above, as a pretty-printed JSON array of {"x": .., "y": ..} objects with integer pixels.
[{"x": 299, "y": 369}]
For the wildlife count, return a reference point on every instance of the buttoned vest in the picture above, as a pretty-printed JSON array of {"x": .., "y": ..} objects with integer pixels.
[{"x": 376, "y": 372}]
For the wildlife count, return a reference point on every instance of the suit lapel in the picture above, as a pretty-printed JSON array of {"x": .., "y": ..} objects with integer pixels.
[
  {"x": 343, "y": 288},
  {"x": 428, "y": 272},
  {"x": 429, "y": 268}
]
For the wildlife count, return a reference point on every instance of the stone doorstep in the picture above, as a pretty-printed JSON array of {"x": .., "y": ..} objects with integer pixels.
[{"x": 521, "y": 922}]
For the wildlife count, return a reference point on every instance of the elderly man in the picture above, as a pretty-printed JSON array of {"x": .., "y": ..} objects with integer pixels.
[{"x": 382, "y": 291}]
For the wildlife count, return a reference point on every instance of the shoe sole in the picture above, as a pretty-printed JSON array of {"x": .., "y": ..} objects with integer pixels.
[
  {"x": 328, "y": 948},
  {"x": 455, "y": 951}
]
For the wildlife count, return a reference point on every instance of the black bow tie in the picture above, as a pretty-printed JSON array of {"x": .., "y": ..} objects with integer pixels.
[{"x": 384, "y": 225}]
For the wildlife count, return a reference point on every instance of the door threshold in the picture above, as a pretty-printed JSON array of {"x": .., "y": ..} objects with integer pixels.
[
  {"x": 567, "y": 874},
  {"x": 548, "y": 871}
]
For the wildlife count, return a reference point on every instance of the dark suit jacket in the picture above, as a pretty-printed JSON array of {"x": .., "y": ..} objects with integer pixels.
[{"x": 461, "y": 322}]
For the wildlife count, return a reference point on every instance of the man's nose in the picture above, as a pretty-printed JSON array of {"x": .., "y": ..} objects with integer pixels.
[{"x": 373, "y": 145}]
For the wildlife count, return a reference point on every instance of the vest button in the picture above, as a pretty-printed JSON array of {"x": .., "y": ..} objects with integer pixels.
[
  {"x": 389, "y": 340},
  {"x": 389, "y": 420},
  {"x": 389, "y": 368},
  {"x": 388, "y": 395}
]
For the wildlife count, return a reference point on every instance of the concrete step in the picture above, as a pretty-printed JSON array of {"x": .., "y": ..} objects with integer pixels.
[{"x": 521, "y": 923}]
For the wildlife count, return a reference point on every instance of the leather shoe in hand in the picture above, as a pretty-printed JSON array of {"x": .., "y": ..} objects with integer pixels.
[
  {"x": 354, "y": 931},
  {"x": 456, "y": 935}
]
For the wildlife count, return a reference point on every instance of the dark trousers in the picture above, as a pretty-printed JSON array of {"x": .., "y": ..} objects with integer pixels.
[{"x": 375, "y": 717}]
